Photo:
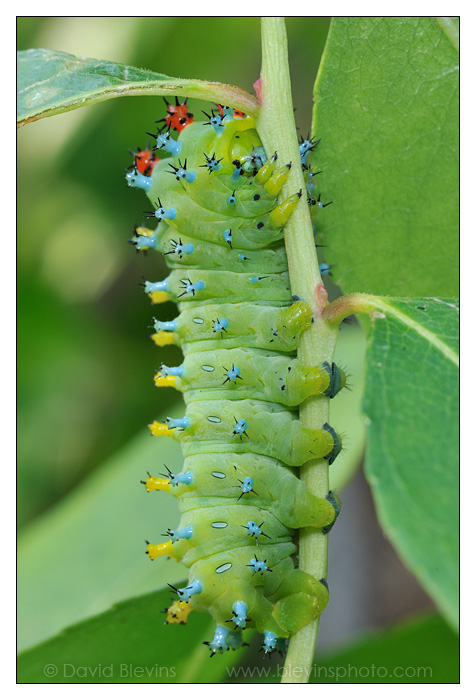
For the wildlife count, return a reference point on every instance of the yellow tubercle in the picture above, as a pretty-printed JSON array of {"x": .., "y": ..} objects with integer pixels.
[
  {"x": 163, "y": 338},
  {"x": 178, "y": 612},
  {"x": 157, "y": 550},
  {"x": 159, "y": 297},
  {"x": 161, "y": 381},
  {"x": 143, "y": 231},
  {"x": 154, "y": 484},
  {"x": 266, "y": 170},
  {"x": 281, "y": 214},
  {"x": 274, "y": 185},
  {"x": 157, "y": 428}
]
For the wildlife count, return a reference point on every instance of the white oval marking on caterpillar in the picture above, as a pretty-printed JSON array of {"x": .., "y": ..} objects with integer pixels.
[{"x": 224, "y": 567}]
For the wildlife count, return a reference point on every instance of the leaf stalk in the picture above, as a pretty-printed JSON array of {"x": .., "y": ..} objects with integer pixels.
[{"x": 277, "y": 129}]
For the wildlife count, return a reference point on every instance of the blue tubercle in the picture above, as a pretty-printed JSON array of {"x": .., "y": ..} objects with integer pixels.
[
  {"x": 167, "y": 143},
  {"x": 232, "y": 374},
  {"x": 237, "y": 172},
  {"x": 190, "y": 287},
  {"x": 211, "y": 163},
  {"x": 325, "y": 269},
  {"x": 231, "y": 199},
  {"x": 182, "y": 423},
  {"x": 259, "y": 157},
  {"x": 254, "y": 530},
  {"x": 176, "y": 479},
  {"x": 269, "y": 642},
  {"x": 239, "y": 617},
  {"x": 181, "y": 173},
  {"x": 183, "y": 534},
  {"x": 171, "y": 371},
  {"x": 240, "y": 429},
  {"x": 246, "y": 486},
  {"x": 218, "y": 644},
  {"x": 255, "y": 160},
  {"x": 228, "y": 236},
  {"x": 317, "y": 203},
  {"x": 145, "y": 241},
  {"x": 165, "y": 325},
  {"x": 136, "y": 179},
  {"x": 217, "y": 121},
  {"x": 180, "y": 248},
  {"x": 161, "y": 213},
  {"x": 242, "y": 256},
  {"x": 220, "y": 326},
  {"x": 186, "y": 593},
  {"x": 305, "y": 147},
  {"x": 321, "y": 205},
  {"x": 258, "y": 566},
  {"x": 151, "y": 287}
]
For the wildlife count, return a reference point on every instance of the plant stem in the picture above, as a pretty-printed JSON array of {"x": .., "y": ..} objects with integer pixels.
[{"x": 276, "y": 126}]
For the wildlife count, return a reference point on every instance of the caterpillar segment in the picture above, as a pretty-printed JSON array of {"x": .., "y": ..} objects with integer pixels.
[
  {"x": 263, "y": 427},
  {"x": 219, "y": 225},
  {"x": 235, "y": 325},
  {"x": 208, "y": 287},
  {"x": 248, "y": 373},
  {"x": 188, "y": 253}
]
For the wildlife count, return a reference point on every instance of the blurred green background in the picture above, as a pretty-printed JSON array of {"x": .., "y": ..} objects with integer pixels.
[{"x": 85, "y": 363}]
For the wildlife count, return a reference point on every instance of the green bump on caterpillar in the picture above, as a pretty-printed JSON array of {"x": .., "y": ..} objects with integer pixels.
[{"x": 220, "y": 229}]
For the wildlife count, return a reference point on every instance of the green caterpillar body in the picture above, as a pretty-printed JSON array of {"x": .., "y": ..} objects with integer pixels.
[
  {"x": 249, "y": 325},
  {"x": 221, "y": 229},
  {"x": 244, "y": 373}
]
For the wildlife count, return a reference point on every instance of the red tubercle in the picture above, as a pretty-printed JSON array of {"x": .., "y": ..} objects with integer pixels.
[
  {"x": 145, "y": 161},
  {"x": 178, "y": 117},
  {"x": 237, "y": 114}
]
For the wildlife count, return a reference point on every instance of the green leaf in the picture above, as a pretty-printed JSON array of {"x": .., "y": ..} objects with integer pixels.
[
  {"x": 88, "y": 552},
  {"x": 346, "y": 407},
  {"x": 52, "y": 82},
  {"x": 419, "y": 651},
  {"x": 129, "y": 644},
  {"x": 411, "y": 409},
  {"x": 387, "y": 114}
]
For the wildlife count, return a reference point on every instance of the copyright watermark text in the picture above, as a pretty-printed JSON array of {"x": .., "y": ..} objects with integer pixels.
[
  {"x": 108, "y": 671},
  {"x": 337, "y": 673}
]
